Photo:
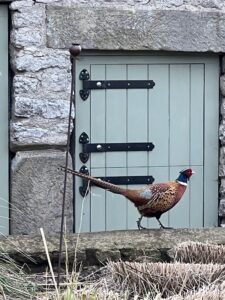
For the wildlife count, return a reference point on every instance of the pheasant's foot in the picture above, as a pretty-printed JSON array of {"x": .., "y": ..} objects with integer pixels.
[
  {"x": 139, "y": 223},
  {"x": 162, "y": 226},
  {"x": 141, "y": 227}
]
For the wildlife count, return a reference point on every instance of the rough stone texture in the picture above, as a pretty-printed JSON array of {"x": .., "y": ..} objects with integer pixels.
[
  {"x": 222, "y": 187},
  {"x": 125, "y": 28},
  {"x": 222, "y": 132},
  {"x": 28, "y": 15},
  {"x": 184, "y": 4},
  {"x": 51, "y": 83},
  {"x": 50, "y": 109},
  {"x": 222, "y": 86},
  {"x": 222, "y": 107},
  {"x": 222, "y": 162},
  {"x": 21, "y": 5},
  {"x": 222, "y": 148},
  {"x": 34, "y": 59},
  {"x": 29, "y": 27},
  {"x": 36, "y": 192},
  {"x": 39, "y": 132},
  {"x": 98, "y": 248},
  {"x": 41, "y": 107},
  {"x": 28, "y": 37},
  {"x": 222, "y": 208}
]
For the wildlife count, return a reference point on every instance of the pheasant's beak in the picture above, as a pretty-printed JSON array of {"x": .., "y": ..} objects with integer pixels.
[{"x": 193, "y": 172}]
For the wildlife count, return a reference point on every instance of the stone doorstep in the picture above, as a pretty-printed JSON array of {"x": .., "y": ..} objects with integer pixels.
[{"x": 95, "y": 249}]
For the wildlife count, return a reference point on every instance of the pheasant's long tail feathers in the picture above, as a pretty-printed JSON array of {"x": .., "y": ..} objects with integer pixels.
[{"x": 100, "y": 183}]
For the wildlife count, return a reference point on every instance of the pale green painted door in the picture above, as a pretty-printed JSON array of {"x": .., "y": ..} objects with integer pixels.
[
  {"x": 179, "y": 116},
  {"x": 4, "y": 192}
]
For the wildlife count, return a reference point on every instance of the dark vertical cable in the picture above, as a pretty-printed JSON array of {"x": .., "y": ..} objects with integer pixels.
[{"x": 75, "y": 50}]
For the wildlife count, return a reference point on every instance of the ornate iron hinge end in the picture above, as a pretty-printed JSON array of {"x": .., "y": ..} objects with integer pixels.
[
  {"x": 84, "y": 157},
  {"x": 84, "y": 139},
  {"x": 84, "y": 188}
]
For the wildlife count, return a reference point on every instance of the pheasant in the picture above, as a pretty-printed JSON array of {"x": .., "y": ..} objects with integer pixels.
[{"x": 152, "y": 200}]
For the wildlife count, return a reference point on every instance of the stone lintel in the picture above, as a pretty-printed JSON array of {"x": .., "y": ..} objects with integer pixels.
[{"x": 126, "y": 28}]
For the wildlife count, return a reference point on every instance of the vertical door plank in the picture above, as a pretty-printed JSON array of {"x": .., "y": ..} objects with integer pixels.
[
  {"x": 116, "y": 132},
  {"x": 179, "y": 136},
  {"x": 98, "y": 203},
  {"x": 98, "y": 135},
  {"x": 116, "y": 205},
  {"x": 179, "y": 114},
  {"x": 179, "y": 215},
  {"x": 196, "y": 144},
  {"x": 4, "y": 147},
  {"x": 137, "y": 131},
  {"x": 82, "y": 207},
  {"x": 116, "y": 116},
  {"x": 98, "y": 116},
  {"x": 211, "y": 143},
  {"x": 196, "y": 114},
  {"x": 196, "y": 188},
  {"x": 158, "y": 107},
  {"x": 137, "y": 114}
]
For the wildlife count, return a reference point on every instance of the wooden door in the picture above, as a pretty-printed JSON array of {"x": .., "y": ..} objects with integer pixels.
[
  {"x": 179, "y": 116},
  {"x": 4, "y": 187}
]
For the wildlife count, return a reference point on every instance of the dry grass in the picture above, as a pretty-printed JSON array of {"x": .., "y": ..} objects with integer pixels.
[
  {"x": 13, "y": 280},
  {"x": 197, "y": 274},
  {"x": 164, "y": 278},
  {"x": 127, "y": 280},
  {"x": 192, "y": 252},
  {"x": 212, "y": 292}
]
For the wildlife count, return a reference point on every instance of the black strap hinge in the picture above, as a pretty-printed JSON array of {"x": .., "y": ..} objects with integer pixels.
[
  {"x": 110, "y": 84},
  {"x": 118, "y": 180},
  {"x": 88, "y": 148}
]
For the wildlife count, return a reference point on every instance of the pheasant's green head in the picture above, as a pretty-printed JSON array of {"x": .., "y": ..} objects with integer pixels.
[{"x": 185, "y": 175}]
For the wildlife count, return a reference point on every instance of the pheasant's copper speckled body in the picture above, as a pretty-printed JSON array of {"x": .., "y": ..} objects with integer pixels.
[{"x": 152, "y": 200}]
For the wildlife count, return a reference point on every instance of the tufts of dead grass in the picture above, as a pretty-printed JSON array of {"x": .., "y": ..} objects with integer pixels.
[
  {"x": 196, "y": 252},
  {"x": 13, "y": 280},
  {"x": 164, "y": 278},
  {"x": 212, "y": 292}
]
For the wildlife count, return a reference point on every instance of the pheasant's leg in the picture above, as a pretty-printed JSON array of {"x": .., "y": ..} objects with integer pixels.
[
  {"x": 162, "y": 226},
  {"x": 139, "y": 223}
]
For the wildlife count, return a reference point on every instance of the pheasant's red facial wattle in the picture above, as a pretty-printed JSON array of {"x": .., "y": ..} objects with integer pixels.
[{"x": 187, "y": 172}]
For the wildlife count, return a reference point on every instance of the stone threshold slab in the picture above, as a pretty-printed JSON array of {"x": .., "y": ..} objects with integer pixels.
[{"x": 97, "y": 248}]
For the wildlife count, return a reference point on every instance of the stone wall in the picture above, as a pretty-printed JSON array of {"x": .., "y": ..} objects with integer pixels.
[
  {"x": 40, "y": 107},
  {"x": 42, "y": 31}
]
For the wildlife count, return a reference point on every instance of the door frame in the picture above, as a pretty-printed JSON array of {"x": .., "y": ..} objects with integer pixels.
[
  {"x": 4, "y": 121},
  {"x": 211, "y": 140}
]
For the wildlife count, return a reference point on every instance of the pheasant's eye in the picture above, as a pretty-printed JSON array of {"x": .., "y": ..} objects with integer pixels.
[{"x": 188, "y": 172}]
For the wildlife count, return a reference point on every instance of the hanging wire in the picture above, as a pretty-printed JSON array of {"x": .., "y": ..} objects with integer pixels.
[{"x": 75, "y": 50}]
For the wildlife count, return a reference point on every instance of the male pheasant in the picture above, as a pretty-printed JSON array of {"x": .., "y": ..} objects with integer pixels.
[{"x": 152, "y": 200}]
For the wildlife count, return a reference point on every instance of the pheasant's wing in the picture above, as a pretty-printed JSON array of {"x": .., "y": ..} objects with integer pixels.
[{"x": 158, "y": 195}]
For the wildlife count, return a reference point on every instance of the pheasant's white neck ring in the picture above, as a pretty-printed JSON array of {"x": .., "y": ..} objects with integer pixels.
[
  {"x": 182, "y": 183},
  {"x": 182, "y": 179}
]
